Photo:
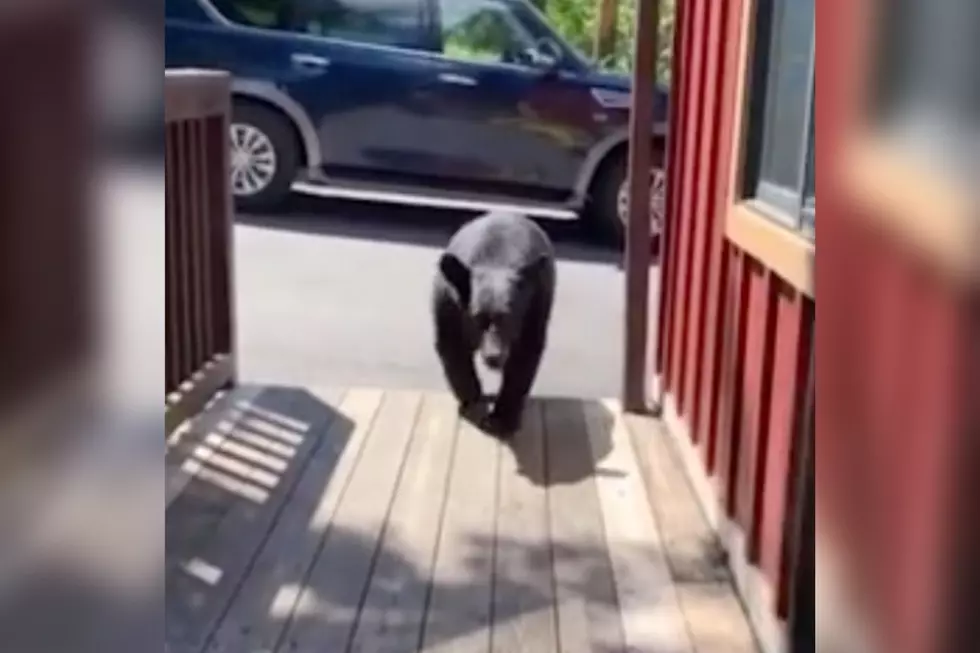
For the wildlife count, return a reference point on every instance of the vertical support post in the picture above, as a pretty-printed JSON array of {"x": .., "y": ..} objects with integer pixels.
[{"x": 638, "y": 227}]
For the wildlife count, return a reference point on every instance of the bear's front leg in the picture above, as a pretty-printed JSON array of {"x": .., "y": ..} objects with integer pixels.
[
  {"x": 518, "y": 377},
  {"x": 460, "y": 372},
  {"x": 455, "y": 352}
]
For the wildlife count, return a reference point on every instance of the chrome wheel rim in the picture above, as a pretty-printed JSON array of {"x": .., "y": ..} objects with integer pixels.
[
  {"x": 658, "y": 201},
  {"x": 253, "y": 160}
]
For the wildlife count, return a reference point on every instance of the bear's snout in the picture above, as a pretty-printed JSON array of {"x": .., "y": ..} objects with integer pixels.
[
  {"x": 493, "y": 352},
  {"x": 495, "y": 361}
]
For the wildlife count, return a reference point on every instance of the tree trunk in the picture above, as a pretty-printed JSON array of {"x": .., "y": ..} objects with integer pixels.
[{"x": 605, "y": 35}]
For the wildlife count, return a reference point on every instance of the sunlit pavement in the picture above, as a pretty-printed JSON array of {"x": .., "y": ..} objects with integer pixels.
[{"x": 338, "y": 293}]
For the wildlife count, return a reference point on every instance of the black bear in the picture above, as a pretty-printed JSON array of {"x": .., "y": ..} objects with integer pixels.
[{"x": 493, "y": 294}]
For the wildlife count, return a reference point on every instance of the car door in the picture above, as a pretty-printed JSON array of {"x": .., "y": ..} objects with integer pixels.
[
  {"x": 354, "y": 66},
  {"x": 366, "y": 102},
  {"x": 500, "y": 114}
]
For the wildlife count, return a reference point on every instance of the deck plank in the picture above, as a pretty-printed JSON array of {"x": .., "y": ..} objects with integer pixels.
[
  {"x": 326, "y": 614},
  {"x": 459, "y": 614},
  {"x": 258, "y": 615},
  {"x": 393, "y": 612},
  {"x": 524, "y": 594},
  {"x": 649, "y": 605},
  {"x": 588, "y": 611},
  {"x": 217, "y": 525},
  {"x": 382, "y": 523},
  {"x": 714, "y": 615}
]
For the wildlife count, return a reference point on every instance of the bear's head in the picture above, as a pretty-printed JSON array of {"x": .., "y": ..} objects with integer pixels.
[{"x": 495, "y": 302}]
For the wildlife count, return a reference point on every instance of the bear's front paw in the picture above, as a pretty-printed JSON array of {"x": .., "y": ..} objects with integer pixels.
[
  {"x": 474, "y": 412},
  {"x": 502, "y": 423}
]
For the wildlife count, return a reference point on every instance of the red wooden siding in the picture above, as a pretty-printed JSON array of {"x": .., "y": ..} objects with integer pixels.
[
  {"x": 729, "y": 430},
  {"x": 676, "y": 154},
  {"x": 717, "y": 302},
  {"x": 792, "y": 343},
  {"x": 756, "y": 389},
  {"x": 684, "y": 170},
  {"x": 703, "y": 189},
  {"x": 899, "y": 357},
  {"x": 734, "y": 338}
]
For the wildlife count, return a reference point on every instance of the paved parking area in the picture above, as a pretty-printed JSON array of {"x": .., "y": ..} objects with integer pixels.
[{"x": 337, "y": 293}]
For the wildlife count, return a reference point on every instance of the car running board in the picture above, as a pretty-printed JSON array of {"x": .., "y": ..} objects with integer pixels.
[{"x": 451, "y": 200}]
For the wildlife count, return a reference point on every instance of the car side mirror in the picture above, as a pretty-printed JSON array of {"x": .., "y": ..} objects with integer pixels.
[{"x": 545, "y": 55}]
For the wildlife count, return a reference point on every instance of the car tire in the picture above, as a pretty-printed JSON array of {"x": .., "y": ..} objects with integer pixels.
[
  {"x": 607, "y": 209},
  {"x": 264, "y": 157}
]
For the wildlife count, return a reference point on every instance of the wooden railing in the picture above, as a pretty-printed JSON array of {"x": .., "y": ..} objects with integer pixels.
[{"x": 200, "y": 353}]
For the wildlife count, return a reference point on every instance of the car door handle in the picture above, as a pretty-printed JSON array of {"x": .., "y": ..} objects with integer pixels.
[
  {"x": 458, "y": 80},
  {"x": 309, "y": 60}
]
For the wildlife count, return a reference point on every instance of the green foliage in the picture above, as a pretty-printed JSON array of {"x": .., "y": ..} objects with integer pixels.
[
  {"x": 482, "y": 36},
  {"x": 576, "y": 21}
]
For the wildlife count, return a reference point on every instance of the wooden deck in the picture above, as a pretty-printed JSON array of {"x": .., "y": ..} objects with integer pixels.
[{"x": 360, "y": 520}]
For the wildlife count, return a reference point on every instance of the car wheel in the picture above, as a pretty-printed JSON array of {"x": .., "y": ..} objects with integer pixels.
[
  {"x": 264, "y": 157},
  {"x": 610, "y": 199}
]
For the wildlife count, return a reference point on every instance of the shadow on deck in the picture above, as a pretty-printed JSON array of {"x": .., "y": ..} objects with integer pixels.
[{"x": 362, "y": 520}]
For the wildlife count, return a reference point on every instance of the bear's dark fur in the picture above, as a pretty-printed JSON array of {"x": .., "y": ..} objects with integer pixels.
[{"x": 493, "y": 294}]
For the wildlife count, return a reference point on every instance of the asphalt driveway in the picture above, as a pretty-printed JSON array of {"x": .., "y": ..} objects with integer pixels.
[{"x": 337, "y": 293}]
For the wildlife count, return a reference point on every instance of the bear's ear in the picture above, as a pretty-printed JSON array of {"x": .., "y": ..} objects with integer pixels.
[
  {"x": 457, "y": 274},
  {"x": 534, "y": 269}
]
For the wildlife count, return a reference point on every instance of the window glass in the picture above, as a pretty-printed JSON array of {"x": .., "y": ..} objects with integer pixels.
[
  {"x": 810, "y": 182},
  {"x": 182, "y": 9},
  {"x": 780, "y": 162},
  {"x": 482, "y": 30},
  {"x": 254, "y": 13},
  {"x": 787, "y": 96},
  {"x": 385, "y": 22}
]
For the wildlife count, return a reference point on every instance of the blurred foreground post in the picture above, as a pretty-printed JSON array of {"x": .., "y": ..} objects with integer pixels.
[
  {"x": 46, "y": 263},
  {"x": 899, "y": 336}
]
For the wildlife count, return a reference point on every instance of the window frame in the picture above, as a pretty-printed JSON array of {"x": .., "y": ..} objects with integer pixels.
[
  {"x": 424, "y": 28},
  {"x": 794, "y": 209}
]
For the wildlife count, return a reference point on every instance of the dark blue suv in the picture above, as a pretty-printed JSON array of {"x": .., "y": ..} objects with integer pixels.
[{"x": 474, "y": 99}]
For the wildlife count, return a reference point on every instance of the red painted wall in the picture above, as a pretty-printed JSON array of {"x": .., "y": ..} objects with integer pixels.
[
  {"x": 899, "y": 435},
  {"x": 732, "y": 349}
]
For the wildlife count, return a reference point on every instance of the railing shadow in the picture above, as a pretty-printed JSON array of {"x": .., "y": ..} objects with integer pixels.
[{"x": 246, "y": 466}]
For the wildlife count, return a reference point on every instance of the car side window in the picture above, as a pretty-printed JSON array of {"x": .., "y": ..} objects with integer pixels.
[
  {"x": 181, "y": 9},
  {"x": 382, "y": 22},
  {"x": 483, "y": 31},
  {"x": 252, "y": 13}
]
